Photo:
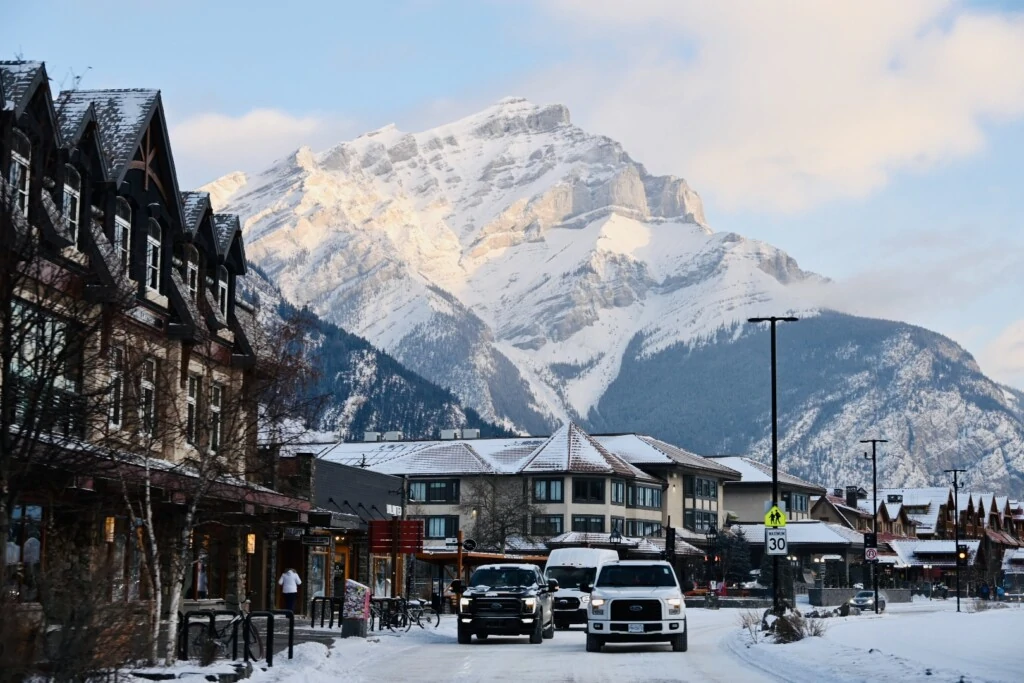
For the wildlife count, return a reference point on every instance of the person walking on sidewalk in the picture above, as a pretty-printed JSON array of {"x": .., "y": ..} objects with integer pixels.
[{"x": 290, "y": 583}]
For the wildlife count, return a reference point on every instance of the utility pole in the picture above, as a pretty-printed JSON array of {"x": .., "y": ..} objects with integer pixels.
[
  {"x": 874, "y": 527},
  {"x": 956, "y": 528},
  {"x": 776, "y": 603}
]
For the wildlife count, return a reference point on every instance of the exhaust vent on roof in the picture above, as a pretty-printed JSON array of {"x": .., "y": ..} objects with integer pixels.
[
  {"x": 450, "y": 434},
  {"x": 393, "y": 436},
  {"x": 838, "y": 493},
  {"x": 894, "y": 498},
  {"x": 371, "y": 436},
  {"x": 470, "y": 433}
]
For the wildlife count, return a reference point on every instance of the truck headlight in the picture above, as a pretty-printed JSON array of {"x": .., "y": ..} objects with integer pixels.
[
  {"x": 529, "y": 604},
  {"x": 464, "y": 603},
  {"x": 597, "y": 605},
  {"x": 674, "y": 605}
]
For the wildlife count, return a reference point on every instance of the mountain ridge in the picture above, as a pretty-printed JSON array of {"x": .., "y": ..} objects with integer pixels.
[{"x": 536, "y": 270}]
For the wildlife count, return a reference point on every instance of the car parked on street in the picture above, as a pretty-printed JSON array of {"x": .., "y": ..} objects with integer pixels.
[
  {"x": 636, "y": 601},
  {"x": 866, "y": 600},
  {"x": 506, "y": 600}
]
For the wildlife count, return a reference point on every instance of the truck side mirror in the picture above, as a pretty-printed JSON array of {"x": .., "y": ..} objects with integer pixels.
[
  {"x": 457, "y": 587},
  {"x": 586, "y": 588},
  {"x": 552, "y": 585}
]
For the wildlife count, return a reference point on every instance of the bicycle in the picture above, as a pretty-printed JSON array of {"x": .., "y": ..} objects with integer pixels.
[
  {"x": 419, "y": 611},
  {"x": 390, "y": 613},
  {"x": 200, "y": 639}
]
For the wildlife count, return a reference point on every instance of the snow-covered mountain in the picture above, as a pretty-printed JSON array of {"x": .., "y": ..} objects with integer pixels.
[{"x": 540, "y": 273}]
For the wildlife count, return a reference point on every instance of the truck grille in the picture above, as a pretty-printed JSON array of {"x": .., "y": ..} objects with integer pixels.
[
  {"x": 496, "y": 607},
  {"x": 636, "y": 610},
  {"x": 567, "y": 603}
]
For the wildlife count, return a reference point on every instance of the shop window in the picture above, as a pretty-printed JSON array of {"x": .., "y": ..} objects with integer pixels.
[{"x": 24, "y": 552}]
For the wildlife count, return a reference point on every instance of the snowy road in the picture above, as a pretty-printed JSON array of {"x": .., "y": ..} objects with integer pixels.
[{"x": 923, "y": 641}]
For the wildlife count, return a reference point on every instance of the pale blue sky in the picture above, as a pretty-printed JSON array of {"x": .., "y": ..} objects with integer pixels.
[{"x": 882, "y": 146}]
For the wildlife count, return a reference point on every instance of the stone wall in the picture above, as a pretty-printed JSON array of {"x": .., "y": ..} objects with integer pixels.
[{"x": 830, "y": 597}]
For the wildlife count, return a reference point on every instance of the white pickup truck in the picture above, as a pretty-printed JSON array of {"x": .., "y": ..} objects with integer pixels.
[{"x": 636, "y": 601}]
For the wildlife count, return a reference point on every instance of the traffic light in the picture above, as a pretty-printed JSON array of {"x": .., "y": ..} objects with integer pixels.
[
  {"x": 718, "y": 558},
  {"x": 961, "y": 555},
  {"x": 670, "y": 542},
  {"x": 870, "y": 540}
]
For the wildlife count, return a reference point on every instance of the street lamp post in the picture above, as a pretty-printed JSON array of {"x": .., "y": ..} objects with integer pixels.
[
  {"x": 956, "y": 529},
  {"x": 775, "y": 448},
  {"x": 874, "y": 488}
]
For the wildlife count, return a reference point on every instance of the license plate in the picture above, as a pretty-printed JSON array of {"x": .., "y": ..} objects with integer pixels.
[{"x": 636, "y": 628}]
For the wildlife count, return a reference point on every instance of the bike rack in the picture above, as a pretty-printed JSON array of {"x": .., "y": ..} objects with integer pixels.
[
  {"x": 319, "y": 600},
  {"x": 336, "y": 603},
  {"x": 234, "y": 628},
  {"x": 204, "y": 613},
  {"x": 290, "y": 616},
  {"x": 270, "y": 636}
]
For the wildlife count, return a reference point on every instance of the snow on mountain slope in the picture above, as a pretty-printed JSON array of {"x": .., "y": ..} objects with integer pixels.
[
  {"x": 540, "y": 273},
  {"x": 555, "y": 239}
]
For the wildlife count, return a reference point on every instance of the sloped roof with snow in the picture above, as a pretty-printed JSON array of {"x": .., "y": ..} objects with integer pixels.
[
  {"x": 640, "y": 449},
  {"x": 922, "y": 504},
  {"x": 753, "y": 471},
  {"x": 569, "y": 449},
  {"x": 938, "y": 553},
  {"x": 123, "y": 116},
  {"x": 18, "y": 79},
  {"x": 225, "y": 227},
  {"x": 193, "y": 206}
]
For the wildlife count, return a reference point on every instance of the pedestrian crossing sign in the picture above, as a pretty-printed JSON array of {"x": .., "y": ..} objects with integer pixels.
[{"x": 775, "y": 517}]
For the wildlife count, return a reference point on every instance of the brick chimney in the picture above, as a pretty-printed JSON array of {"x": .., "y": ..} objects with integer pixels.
[{"x": 851, "y": 496}]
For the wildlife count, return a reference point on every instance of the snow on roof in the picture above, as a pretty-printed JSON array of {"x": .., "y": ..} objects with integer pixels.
[
  {"x": 938, "y": 553},
  {"x": 122, "y": 115},
  {"x": 652, "y": 546},
  {"x": 640, "y": 449},
  {"x": 922, "y": 504},
  {"x": 753, "y": 471},
  {"x": 806, "y": 533},
  {"x": 1013, "y": 560},
  {"x": 225, "y": 226},
  {"x": 193, "y": 206},
  {"x": 17, "y": 78},
  {"x": 567, "y": 450}
]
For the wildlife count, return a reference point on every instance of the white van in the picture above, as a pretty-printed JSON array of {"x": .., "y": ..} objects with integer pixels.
[{"x": 573, "y": 567}]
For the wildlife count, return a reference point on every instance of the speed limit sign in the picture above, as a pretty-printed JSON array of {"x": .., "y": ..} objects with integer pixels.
[{"x": 775, "y": 541}]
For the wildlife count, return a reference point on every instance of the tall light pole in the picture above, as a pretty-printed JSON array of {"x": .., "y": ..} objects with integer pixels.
[
  {"x": 874, "y": 527},
  {"x": 956, "y": 529},
  {"x": 775, "y": 447}
]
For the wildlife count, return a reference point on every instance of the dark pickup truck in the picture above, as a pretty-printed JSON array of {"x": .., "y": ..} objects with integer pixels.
[{"x": 506, "y": 600}]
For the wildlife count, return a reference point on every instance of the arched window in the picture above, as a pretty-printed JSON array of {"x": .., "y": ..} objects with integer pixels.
[
  {"x": 191, "y": 274},
  {"x": 222, "y": 290},
  {"x": 153, "y": 250},
  {"x": 21, "y": 155},
  {"x": 72, "y": 200},
  {"x": 123, "y": 232}
]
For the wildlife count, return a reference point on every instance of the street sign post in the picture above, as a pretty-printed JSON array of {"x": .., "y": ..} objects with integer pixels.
[
  {"x": 775, "y": 542},
  {"x": 775, "y": 518}
]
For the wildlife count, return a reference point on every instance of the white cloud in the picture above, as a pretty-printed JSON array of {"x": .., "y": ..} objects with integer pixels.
[
  {"x": 784, "y": 105},
  {"x": 210, "y": 144},
  {"x": 1003, "y": 358}
]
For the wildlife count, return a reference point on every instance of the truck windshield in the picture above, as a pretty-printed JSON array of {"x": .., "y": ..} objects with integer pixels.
[
  {"x": 572, "y": 577},
  {"x": 654, "y": 576},
  {"x": 502, "y": 577}
]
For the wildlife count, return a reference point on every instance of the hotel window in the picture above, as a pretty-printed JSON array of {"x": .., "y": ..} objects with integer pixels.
[
  {"x": 191, "y": 409},
  {"x": 72, "y": 201},
  {"x": 645, "y": 497},
  {"x": 548, "y": 525},
  {"x": 445, "y": 526},
  {"x": 123, "y": 232},
  {"x": 700, "y": 520},
  {"x": 21, "y": 154},
  {"x": 116, "y": 386},
  {"x": 618, "y": 492},
  {"x": 222, "y": 290},
  {"x": 588, "y": 523},
  {"x": 147, "y": 397},
  {"x": 588, "y": 491},
  {"x": 153, "y": 250},
  {"x": 216, "y": 398},
  {"x": 699, "y": 487},
  {"x": 618, "y": 524},
  {"x": 192, "y": 272},
  {"x": 547, "y": 491},
  {"x": 642, "y": 528}
]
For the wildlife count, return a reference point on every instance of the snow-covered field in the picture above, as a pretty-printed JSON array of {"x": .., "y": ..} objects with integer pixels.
[{"x": 926, "y": 640}]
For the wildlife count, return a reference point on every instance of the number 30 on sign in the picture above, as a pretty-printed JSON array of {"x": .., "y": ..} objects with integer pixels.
[{"x": 775, "y": 541}]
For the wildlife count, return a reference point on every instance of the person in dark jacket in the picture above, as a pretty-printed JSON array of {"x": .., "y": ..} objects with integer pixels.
[{"x": 983, "y": 590}]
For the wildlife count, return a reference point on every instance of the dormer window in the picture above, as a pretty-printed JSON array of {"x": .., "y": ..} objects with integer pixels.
[
  {"x": 123, "y": 232},
  {"x": 72, "y": 201},
  {"x": 222, "y": 290},
  {"x": 153, "y": 235},
  {"x": 21, "y": 153},
  {"x": 192, "y": 272}
]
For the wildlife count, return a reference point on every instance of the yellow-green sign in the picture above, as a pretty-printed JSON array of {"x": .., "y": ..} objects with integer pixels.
[{"x": 775, "y": 517}]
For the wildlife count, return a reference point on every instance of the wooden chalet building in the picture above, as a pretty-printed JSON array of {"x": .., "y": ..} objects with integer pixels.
[{"x": 91, "y": 179}]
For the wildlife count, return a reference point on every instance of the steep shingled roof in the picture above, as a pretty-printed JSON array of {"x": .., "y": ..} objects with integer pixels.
[
  {"x": 570, "y": 449},
  {"x": 17, "y": 78},
  {"x": 122, "y": 116},
  {"x": 225, "y": 227},
  {"x": 193, "y": 206}
]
